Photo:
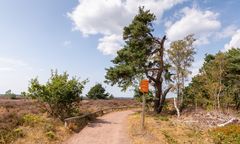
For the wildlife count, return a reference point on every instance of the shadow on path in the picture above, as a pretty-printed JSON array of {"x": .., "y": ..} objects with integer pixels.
[{"x": 99, "y": 123}]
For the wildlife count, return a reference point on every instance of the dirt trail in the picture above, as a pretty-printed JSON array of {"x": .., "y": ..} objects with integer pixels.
[{"x": 108, "y": 129}]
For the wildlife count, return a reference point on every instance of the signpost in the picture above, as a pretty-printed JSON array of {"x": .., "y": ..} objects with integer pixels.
[{"x": 144, "y": 88}]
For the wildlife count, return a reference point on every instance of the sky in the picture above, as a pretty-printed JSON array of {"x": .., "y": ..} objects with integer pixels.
[{"x": 82, "y": 37}]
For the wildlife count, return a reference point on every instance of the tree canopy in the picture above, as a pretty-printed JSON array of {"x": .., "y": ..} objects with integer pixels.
[
  {"x": 98, "y": 92},
  {"x": 181, "y": 56},
  {"x": 142, "y": 56},
  {"x": 218, "y": 83}
]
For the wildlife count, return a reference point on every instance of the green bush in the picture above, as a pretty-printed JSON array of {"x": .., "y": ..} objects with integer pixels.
[
  {"x": 98, "y": 92},
  {"x": 9, "y": 94},
  {"x": 59, "y": 95}
]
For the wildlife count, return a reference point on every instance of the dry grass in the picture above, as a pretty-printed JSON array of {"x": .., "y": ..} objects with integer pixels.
[
  {"x": 165, "y": 130},
  {"x": 42, "y": 130},
  {"x": 23, "y": 122}
]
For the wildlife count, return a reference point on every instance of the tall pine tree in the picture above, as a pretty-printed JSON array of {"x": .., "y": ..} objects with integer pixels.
[{"x": 141, "y": 57}]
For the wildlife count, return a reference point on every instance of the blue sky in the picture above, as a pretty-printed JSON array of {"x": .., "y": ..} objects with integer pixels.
[{"x": 81, "y": 37}]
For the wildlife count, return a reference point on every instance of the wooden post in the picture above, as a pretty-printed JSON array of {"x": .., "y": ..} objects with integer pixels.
[
  {"x": 144, "y": 88},
  {"x": 143, "y": 111}
]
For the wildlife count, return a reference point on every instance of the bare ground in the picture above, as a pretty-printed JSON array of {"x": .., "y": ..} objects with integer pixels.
[{"x": 108, "y": 129}]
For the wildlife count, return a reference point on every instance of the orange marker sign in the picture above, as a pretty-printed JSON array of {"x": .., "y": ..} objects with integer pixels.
[{"x": 144, "y": 86}]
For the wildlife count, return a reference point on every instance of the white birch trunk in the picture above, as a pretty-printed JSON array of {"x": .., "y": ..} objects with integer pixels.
[{"x": 175, "y": 105}]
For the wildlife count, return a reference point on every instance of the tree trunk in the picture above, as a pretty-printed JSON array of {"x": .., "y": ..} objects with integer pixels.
[
  {"x": 176, "y": 107},
  {"x": 218, "y": 98},
  {"x": 181, "y": 102},
  {"x": 163, "y": 98},
  {"x": 178, "y": 85},
  {"x": 157, "y": 97},
  {"x": 196, "y": 105}
]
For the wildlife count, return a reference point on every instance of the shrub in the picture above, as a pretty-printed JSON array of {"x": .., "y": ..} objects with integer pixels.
[
  {"x": 58, "y": 95},
  {"x": 9, "y": 94},
  {"x": 98, "y": 92},
  {"x": 227, "y": 134}
]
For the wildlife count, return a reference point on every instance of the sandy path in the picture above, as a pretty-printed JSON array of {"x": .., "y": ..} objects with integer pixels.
[{"x": 108, "y": 129}]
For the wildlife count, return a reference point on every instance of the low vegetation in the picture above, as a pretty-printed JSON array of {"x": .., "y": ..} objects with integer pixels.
[
  {"x": 227, "y": 134},
  {"x": 23, "y": 122},
  {"x": 170, "y": 130},
  {"x": 165, "y": 129}
]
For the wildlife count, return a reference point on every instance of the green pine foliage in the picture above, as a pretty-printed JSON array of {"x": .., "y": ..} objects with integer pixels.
[{"x": 142, "y": 56}]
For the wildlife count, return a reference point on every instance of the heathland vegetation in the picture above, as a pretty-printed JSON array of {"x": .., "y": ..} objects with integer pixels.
[
  {"x": 37, "y": 116},
  {"x": 204, "y": 110}
]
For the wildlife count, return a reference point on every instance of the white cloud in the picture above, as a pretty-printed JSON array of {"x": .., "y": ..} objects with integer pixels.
[
  {"x": 108, "y": 17},
  {"x": 6, "y": 69},
  {"x": 9, "y": 64},
  {"x": 109, "y": 45},
  {"x": 227, "y": 32},
  {"x": 194, "y": 21},
  {"x": 234, "y": 42}
]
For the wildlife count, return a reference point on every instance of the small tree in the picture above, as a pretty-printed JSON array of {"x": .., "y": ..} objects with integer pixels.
[
  {"x": 181, "y": 58},
  {"x": 98, "y": 92},
  {"x": 58, "y": 95},
  {"x": 9, "y": 94}
]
